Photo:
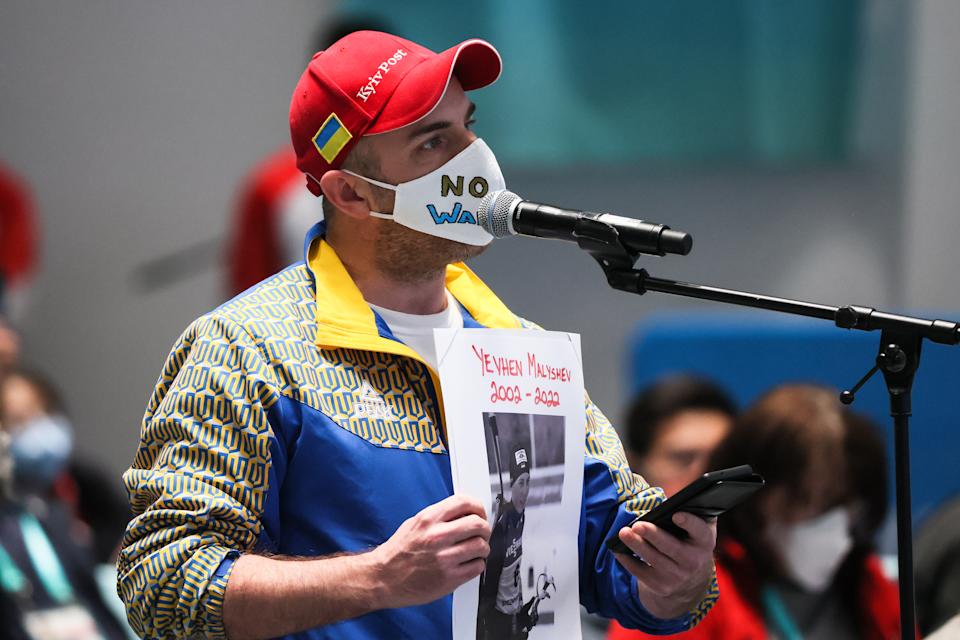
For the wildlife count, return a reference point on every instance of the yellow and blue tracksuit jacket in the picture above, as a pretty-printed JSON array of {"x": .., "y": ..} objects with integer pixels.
[{"x": 253, "y": 442}]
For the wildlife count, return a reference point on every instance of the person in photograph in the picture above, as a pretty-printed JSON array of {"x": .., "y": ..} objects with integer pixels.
[
  {"x": 502, "y": 612},
  {"x": 293, "y": 474}
]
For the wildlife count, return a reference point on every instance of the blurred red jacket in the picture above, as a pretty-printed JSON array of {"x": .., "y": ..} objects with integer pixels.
[
  {"x": 17, "y": 229},
  {"x": 274, "y": 212},
  {"x": 738, "y": 615}
]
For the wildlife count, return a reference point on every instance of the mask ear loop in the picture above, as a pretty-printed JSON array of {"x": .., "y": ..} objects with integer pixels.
[{"x": 384, "y": 185}]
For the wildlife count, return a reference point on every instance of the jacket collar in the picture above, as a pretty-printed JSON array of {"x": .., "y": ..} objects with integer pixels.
[{"x": 344, "y": 319}]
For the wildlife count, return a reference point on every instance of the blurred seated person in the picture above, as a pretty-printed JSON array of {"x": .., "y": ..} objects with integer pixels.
[
  {"x": 797, "y": 560},
  {"x": 272, "y": 209},
  {"x": 47, "y": 588},
  {"x": 18, "y": 245},
  {"x": 47, "y": 478},
  {"x": 672, "y": 428},
  {"x": 41, "y": 437},
  {"x": 275, "y": 209}
]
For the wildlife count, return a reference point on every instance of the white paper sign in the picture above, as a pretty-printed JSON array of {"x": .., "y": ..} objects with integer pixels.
[{"x": 514, "y": 404}]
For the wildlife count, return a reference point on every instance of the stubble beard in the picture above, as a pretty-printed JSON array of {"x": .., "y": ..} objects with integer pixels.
[{"x": 409, "y": 257}]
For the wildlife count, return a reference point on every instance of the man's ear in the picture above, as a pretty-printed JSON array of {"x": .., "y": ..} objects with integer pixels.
[{"x": 339, "y": 189}]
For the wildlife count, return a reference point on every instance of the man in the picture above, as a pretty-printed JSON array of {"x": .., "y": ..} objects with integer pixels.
[
  {"x": 673, "y": 426},
  {"x": 293, "y": 471},
  {"x": 503, "y": 613}
]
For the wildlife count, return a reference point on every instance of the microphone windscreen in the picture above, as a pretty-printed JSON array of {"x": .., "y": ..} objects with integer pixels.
[{"x": 494, "y": 213}]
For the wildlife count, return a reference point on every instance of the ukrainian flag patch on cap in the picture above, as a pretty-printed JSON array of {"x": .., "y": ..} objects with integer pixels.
[{"x": 331, "y": 138}]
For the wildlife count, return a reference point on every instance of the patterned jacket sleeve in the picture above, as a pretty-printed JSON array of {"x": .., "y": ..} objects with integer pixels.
[
  {"x": 612, "y": 497},
  {"x": 198, "y": 482}
]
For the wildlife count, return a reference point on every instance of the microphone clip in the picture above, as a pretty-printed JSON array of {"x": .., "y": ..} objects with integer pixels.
[{"x": 602, "y": 241}]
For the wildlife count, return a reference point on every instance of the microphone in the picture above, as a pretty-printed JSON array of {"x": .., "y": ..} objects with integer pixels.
[{"x": 504, "y": 213}]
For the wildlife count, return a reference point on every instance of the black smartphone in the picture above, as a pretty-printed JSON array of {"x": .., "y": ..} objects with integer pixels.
[{"x": 708, "y": 496}]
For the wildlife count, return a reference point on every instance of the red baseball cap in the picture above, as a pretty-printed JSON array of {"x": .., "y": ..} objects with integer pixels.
[{"x": 370, "y": 82}]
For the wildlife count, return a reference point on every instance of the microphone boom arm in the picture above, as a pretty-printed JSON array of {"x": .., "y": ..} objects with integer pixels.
[
  {"x": 898, "y": 358},
  {"x": 602, "y": 242}
]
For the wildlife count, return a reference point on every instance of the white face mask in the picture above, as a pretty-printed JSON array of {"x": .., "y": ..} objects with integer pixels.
[
  {"x": 813, "y": 550},
  {"x": 444, "y": 202},
  {"x": 40, "y": 450}
]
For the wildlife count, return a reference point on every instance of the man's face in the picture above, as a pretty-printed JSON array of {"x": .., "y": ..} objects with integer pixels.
[
  {"x": 406, "y": 154},
  {"x": 682, "y": 448},
  {"x": 519, "y": 491},
  {"x": 20, "y": 402}
]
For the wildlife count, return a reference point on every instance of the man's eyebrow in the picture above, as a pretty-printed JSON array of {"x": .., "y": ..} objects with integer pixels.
[{"x": 440, "y": 124}]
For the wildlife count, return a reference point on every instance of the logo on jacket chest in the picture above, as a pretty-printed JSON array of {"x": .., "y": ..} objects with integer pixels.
[{"x": 368, "y": 403}]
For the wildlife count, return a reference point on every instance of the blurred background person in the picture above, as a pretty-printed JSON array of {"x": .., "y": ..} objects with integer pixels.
[
  {"x": 18, "y": 244},
  {"x": 48, "y": 477},
  {"x": 275, "y": 210},
  {"x": 797, "y": 560},
  {"x": 672, "y": 428},
  {"x": 41, "y": 436},
  {"x": 48, "y": 590}
]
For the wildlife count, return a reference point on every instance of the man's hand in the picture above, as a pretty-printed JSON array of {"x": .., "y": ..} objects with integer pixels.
[
  {"x": 674, "y": 574},
  {"x": 430, "y": 555},
  {"x": 433, "y": 553}
]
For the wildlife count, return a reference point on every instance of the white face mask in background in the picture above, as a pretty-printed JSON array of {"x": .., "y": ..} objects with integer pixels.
[
  {"x": 40, "y": 450},
  {"x": 813, "y": 550},
  {"x": 444, "y": 202}
]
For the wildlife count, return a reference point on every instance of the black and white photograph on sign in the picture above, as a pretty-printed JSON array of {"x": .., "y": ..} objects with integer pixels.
[
  {"x": 516, "y": 439},
  {"x": 525, "y": 455}
]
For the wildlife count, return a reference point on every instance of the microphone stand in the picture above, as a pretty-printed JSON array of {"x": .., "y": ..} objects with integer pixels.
[{"x": 898, "y": 358}]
